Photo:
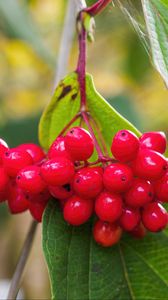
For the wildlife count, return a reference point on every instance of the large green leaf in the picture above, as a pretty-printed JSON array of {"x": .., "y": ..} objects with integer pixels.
[
  {"x": 81, "y": 270},
  {"x": 156, "y": 17}
]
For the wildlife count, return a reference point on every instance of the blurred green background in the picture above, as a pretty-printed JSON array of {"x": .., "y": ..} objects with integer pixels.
[{"x": 30, "y": 32}]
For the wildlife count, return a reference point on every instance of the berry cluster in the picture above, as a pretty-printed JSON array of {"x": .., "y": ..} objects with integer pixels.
[{"x": 125, "y": 192}]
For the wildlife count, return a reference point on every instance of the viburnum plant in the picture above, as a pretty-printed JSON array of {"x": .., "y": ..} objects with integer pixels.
[{"x": 100, "y": 182}]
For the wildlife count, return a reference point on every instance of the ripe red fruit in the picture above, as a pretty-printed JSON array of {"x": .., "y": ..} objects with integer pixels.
[
  {"x": 117, "y": 178},
  {"x": 77, "y": 210},
  {"x": 37, "y": 210},
  {"x": 88, "y": 183},
  {"x": 42, "y": 197},
  {"x": 154, "y": 217},
  {"x": 14, "y": 160},
  {"x": 57, "y": 171},
  {"x": 35, "y": 151},
  {"x": 149, "y": 165},
  {"x": 17, "y": 201},
  {"x": 57, "y": 149},
  {"x": 106, "y": 234},
  {"x": 161, "y": 188},
  {"x": 29, "y": 179},
  {"x": 140, "y": 193},
  {"x": 4, "y": 179},
  {"x": 125, "y": 146},
  {"x": 3, "y": 148},
  {"x": 139, "y": 231},
  {"x": 129, "y": 219},
  {"x": 61, "y": 192},
  {"x": 108, "y": 206},
  {"x": 79, "y": 143},
  {"x": 155, "y": 140}
]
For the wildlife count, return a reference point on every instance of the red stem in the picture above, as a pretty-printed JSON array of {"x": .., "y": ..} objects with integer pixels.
[
  {"x": 70, "y": 123},
  {"x": 97, "y": 7}
]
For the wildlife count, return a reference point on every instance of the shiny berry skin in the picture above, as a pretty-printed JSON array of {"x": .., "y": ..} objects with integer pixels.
[
  {"x": 129, "y": 219},
  {"x": 108, "y": 206},
  {"x": 61, "y": 192},
  {"x": 17, "y": 201},
  {"x": 3, "y": 148},
  {"x": 106, "y": 234},
  {"x": 161, "y": 188},
  {"x": 155, "y": 140},
  {"x": 14, "y": 160},
  {"x": 35, "y": 151},
  {"x": 29, "y": 179},
  {"x": 88, "y": 183},
  {"x": 4, "y": 179},
  {"x": 57, "y": 149},
  {"x": 37, "y": 210},
  {"x": 154, "y": 217},
  {"x": 139, "y": 231},
  {"x": 57, "y": 171},
  {"x": 149, "y": 165},
  {"x": 140, "y": 193},
  {"x": 79, "y": 143},
  {"x": 125, "y": 146},
  {"x": 77, "y": 210},
  {"x": 117, "y": 178}
]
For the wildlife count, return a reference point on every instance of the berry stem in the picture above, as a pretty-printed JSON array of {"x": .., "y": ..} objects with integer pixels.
[
  {"x": 16, "y": 280},
  {"x": 99, "y": 134},
  {"x": 70, "y": 123},
  {"x": 97, "y": 7}
]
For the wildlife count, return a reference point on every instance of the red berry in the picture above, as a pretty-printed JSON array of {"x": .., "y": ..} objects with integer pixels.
[
  {"x": 139, "y": 231},
  {"x": 125, "y": 145},
  {"x": 4, "y": 179},
  {"x": 149, "y": 165},
  {"x": 57, "y": 149},
  {"x": 88, "y": 183},
  {"x": 155, "y": 140},
  {"x": 61, "y": 192},
  {"x": 129, "y": 219},
  {"x": 17, "y": 201},
  {"x": 79, "y": 143},
  {"x": 14, "y": 160},
  {"x": 117, "y": 178},
  {"x": 29, "y": 179},
  {"x": 161, "y": 188},
  {"x": 37, "y": 210},
  {"x": 77, "y": 210},
  {"x": 108, "y": 206},
  {"x": 35, "y": 151},
  {"x": 106, "y": 234},
  {"x": 154, "y": 217},
  {"x": 57, "y": 171},
  {"x": 140, "y": 193},
  {"x": 42, "y": 197},
  {"x": 3, "y": 148}
]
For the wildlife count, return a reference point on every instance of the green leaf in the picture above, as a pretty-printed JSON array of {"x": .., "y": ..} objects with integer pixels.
[
  {"x": 81, "y": 270},
  {"x": 65, "y": 104},
  {"x": 156, "y": 17}
]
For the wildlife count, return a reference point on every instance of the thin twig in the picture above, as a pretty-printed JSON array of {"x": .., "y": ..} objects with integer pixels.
[{"x": 16, "y": 280}]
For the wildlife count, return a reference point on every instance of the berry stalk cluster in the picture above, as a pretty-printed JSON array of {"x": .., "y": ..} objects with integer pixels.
[{"x": 125, "y": 192}]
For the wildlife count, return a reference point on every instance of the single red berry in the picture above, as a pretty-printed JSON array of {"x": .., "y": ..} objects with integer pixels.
[
  {"x": 88, "y": 183},
  {"x": 14, "y": 160},
  {"x": 29, "y": 179},
  {"x": 108, "y": 206},
  {"x": 117, "y": 178},
  {"x": 106, "y": 234},
  {"x": 130, "y": 218},
  {"x": 155, "y": 140},
  {"x": 37, "y": 210},
  {"x": 57, "y": 171},
  {"x": 161, "y": 188},
  {"x": 154, "y": 217},
  {"x": 125, "y": 146},
  {"x": 57, "y": 149},
  {"x": 79, "y": 143},
  {"x": 77, "y": 210},
  {"x": 3, "y": 148},
  {"x": 61, "y": 192},
  {"x": 4, "y": 179},
  {"x": 140, "y": 193},
  {"x": 35, "y": 151},
  {"x": 17, "y": 201},
  {"x": 139, "y": 231},
  {"x": 149, "y": 165}
]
